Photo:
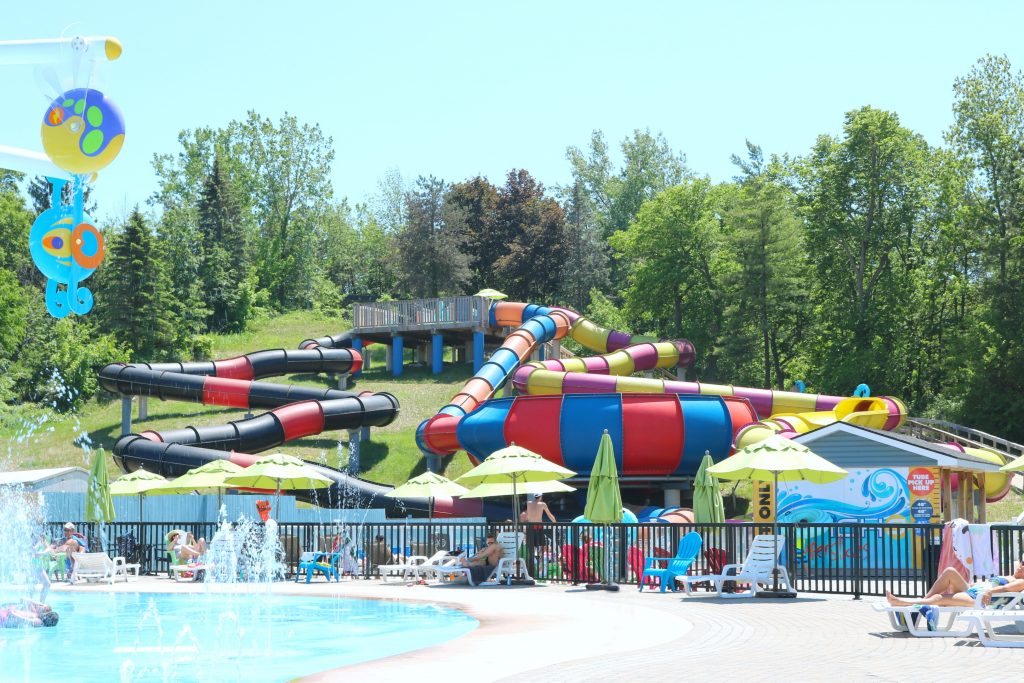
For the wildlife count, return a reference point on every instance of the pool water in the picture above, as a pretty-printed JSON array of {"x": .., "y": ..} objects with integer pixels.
[{"x": 217, "y": 637}]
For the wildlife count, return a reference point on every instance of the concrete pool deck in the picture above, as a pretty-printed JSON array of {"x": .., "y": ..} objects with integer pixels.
[{"x": 564, "y": 633}]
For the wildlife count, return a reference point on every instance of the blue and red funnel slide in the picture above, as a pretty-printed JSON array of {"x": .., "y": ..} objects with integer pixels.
[
  {"x": 295, "y": 412},
  {"x": 659, "y": 427}
]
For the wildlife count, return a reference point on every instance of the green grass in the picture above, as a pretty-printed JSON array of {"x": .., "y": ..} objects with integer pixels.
[{"x": 37, "y": 438}]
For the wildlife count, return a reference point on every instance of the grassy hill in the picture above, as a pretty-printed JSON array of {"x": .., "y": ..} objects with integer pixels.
[{"x": 38, "y": 438}]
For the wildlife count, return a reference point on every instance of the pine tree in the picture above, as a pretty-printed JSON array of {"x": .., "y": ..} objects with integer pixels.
[
  {"x": 224, "y": 264},
  {"x": 136, "y": 303}
]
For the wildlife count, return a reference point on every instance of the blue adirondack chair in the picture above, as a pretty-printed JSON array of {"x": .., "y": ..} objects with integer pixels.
[
  {"x": 671, "y": 567},
  {"x": 322, "y": 563}
]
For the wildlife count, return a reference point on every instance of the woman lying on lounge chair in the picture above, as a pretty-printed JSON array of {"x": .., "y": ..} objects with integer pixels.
[
  {"x": 950, "y": 590},
  {"x": 185, "y": 547}
]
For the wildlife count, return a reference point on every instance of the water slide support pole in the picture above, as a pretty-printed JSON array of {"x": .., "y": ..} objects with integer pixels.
[{"x": 437, "y": 353}]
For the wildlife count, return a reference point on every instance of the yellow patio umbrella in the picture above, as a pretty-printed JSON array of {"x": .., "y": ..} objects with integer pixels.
[
  {"x": 139, "y": 483},
  {"x": 279, "y": 472},
  {"x": 777, "y": 459},
  {"x": 491, "y": 294},
  {"x": 498, "y": 490},
  {"x": 517, "y": 466},
  {"x": 207, "y": 478},
  {"x": 427, "y": 485}
]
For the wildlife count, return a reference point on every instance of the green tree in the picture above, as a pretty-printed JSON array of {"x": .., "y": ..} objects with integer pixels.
[
  {"x": 531, "y": 226},
  {"x": 15, "y": 224},
  {"x": 767, "y": 286},
  {"x": 137, "y": 305},
  {"x": 224, "y": 265},
  {"x": 431, "y": 243},
  {"x": 586, "y": 266},
  {"x": 649, "y": 166},
  {"x": 988, "y": 135},
  {"x": 477, "y": 200},
  {"x": 866, "y": 199},
  {"x": 672, "y": 253}
]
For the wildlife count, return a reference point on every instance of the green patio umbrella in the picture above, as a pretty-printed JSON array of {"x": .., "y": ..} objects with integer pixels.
[
  {"x": 279, "y": 472},
  {"x": 99, "y": 506},
  {"x": 427, "y": 485},
  {"x": 604, "y": 500},
  {"x": 491, "y": 294},
  {"x": 514, "y": 465},
  {"x": 777, "y": 459},
  {"x": 707, "y": 498},
  {"x": 208, "y": 478}
]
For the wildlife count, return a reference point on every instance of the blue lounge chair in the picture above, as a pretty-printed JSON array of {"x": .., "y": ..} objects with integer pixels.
[{"x": 689, "y": 549}]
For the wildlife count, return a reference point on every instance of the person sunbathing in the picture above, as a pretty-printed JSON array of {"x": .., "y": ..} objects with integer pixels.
[
  {"x": 951, "y": 590},
  {"x": 481, "y": 564},
  {"x": 185, "y": 548},
  {"x": 27, "y": 614}
]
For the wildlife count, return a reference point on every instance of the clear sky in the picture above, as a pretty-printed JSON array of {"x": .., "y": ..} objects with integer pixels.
[{"x": 455, "y": 89}]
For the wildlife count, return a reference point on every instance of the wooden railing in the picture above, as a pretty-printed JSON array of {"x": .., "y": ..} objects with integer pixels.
[{"x": 421, "y": 314}]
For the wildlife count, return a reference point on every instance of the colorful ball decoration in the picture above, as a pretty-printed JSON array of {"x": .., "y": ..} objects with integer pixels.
[{"x": 83, "y": 131}]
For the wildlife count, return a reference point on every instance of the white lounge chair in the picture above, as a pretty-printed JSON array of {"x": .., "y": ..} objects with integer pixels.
[
  {"x": 99, "y": 567},
  {"x": 506, "y": 567},
  {"x": 417, "y": 567},
  {"x": 756, "y": 569},
  {"x": 985, "y": 621},
  {"x": 949, "y": 625}
]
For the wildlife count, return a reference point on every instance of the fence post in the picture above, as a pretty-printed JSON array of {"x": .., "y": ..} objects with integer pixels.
[{"x": 857, "y": 562}]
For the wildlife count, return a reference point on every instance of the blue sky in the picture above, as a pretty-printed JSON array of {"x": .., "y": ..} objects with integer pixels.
[{"x": 455, "y": 89}]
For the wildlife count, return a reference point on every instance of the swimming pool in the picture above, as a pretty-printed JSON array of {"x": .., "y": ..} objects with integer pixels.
[{"x": 217, "y": 637}]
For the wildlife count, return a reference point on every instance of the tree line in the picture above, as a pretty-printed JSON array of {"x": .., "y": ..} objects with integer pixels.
[{"x": 873, "y": 257}]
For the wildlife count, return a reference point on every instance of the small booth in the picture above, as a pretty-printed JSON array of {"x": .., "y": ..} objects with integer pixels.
[{"x": 894, "y": 478}]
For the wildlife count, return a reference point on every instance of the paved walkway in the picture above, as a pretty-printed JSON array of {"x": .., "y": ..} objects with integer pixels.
[{"x": 564, "y": 633}]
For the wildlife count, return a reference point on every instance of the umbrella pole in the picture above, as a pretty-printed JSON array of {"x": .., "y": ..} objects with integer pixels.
[{"x": 775, "y": 591}]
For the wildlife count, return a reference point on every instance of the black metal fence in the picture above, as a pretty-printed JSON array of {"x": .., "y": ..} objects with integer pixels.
[{"x": 853, "y": 559}]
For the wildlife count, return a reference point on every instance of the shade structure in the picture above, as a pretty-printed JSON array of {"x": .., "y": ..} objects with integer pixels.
[
  {"x": 207, "y": 478},
  {"x": 604, "y": 499},
  {"x": 514, "y": 465},
  {"x": 138, "y": 483},
  {"x": 528, "y": 488},
  {"x": 708, "y": 507},
  {"x": 428, "y": 485},
  {"x": 777, "y": 459},
  {"x": 491, "y": 294},
  {"x": 279, "y": 472}
]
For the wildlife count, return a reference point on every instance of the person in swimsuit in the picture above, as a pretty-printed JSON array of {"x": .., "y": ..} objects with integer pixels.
[
  {"x": 27, "y": 614},
  {"x": 951, "y": 590},
  {"x": 481, "y": 564},
  {"x": 185, "y": 547}
]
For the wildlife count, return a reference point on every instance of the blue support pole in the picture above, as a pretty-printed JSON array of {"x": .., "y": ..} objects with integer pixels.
[
  {"x": 396, "y": 355},
  {"x": 357, "y": 346},
  {"x": 437, "y": 353},
  {"x": 478, "y": 350}
]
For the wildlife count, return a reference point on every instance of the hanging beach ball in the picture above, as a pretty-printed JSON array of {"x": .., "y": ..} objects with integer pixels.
[{"x": 83, "y": 131}]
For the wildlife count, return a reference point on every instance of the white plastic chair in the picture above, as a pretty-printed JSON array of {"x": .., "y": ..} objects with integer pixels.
[
  {"x": 99, "y": 567},
  {"x": 757, "y": 569},
  {"x": 510, "y": 543},
  {"x": 417, "y": 567}
]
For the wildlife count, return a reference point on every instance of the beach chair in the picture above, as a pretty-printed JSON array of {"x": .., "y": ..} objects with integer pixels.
[
  {"x": 948, "y": 623},
  {"x": 180, "y": 571},
  {"x": 99, "y": 567},
  {"x": 756, "y": 570},
  {"x": 506, "y": 568},
  {"x": 311, "y": 563},
  {"x": 417, "y": 567},
  {"x": 666, "y": 570},
  {"x": 985, "y": 622}
]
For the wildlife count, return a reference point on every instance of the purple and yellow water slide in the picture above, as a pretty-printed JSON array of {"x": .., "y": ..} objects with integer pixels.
[{"x": 659, "y": 427}]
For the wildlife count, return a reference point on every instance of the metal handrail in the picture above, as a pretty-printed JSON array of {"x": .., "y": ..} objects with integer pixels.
[
  {"x": 965, "y": 436},
  {"x": 421, "y": 314}
]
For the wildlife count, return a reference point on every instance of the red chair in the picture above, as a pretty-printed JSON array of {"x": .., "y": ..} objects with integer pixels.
[
  {"x": 636, "y": 559},
  {"x": 717, "y": 558},
  {"x": 575, "y": 564}
]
